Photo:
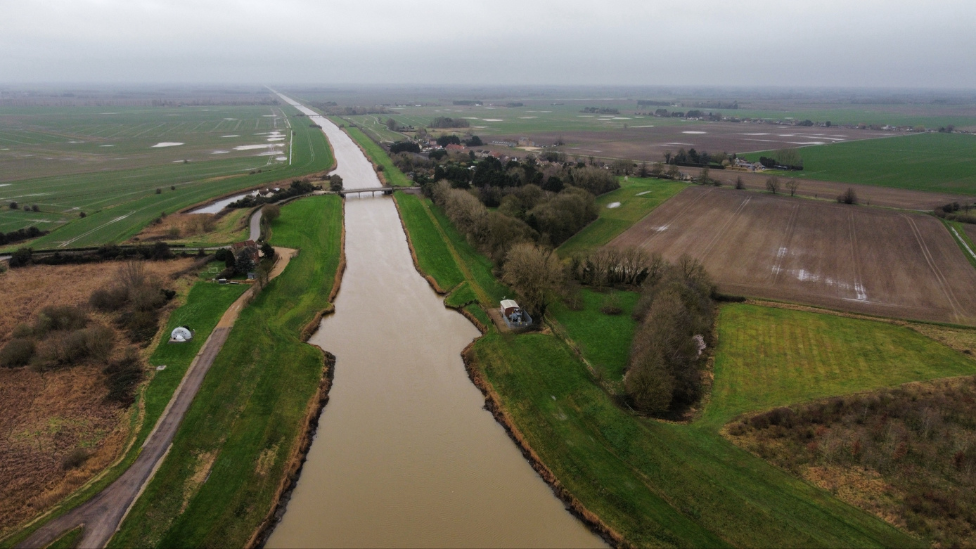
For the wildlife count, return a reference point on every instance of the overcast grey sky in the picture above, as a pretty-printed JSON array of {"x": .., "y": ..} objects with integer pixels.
[{"x": 862, "y": 43}]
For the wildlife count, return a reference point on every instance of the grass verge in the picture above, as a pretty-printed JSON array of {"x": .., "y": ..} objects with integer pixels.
[
  {"x": 636, "y": 198},
  {"x": 230, "y": 455},
  {"x": 602, "y": 339}
]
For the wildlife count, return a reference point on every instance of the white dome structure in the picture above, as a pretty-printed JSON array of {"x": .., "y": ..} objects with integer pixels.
[{"x": 181, "y": 334}]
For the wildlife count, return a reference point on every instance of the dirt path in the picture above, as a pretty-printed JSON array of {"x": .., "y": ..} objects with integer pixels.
[{"x": 102, "y": 514}]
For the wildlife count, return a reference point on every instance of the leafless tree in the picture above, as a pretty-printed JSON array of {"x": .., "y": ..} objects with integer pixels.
[
  {"x": 792, "y": 185},
  {"x": 536, "y": 274},
  {"x": 773, "y": 185}
]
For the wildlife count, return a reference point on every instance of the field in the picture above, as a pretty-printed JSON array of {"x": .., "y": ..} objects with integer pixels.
[
  {"x": 64, "y": 410},
  {"x": 604, "y": 340},
  {"x": 635, "y": 199},
  {"x": 851, "y": 258},
  {"x": 768, "y": 357},
  {"x": 119, "y": 196},
  {"x": 244, "y": 424},
  {"x": 928, "y": 162}
]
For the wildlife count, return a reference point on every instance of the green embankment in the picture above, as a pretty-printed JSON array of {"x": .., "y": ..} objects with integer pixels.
[
  {"x": 394, "y": 177},
  {"x": 128, "y": 212},
  {"x": 637, "y": 197},
  {"x": 69, "y": 540},
  {"x": 204, "y": 305},
  {"x": 655, "y": 483},
  {"x": 248, "y": 415},
  {"x": 769, "y": 357},
  {"x": 604, "y": 340},
  {"x": 936, "y": 162}
]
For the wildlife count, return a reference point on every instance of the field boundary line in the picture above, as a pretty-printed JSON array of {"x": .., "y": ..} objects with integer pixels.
[
  {"x": 671, "y": 220},
  {"x": 859, "y": 289},
  {"x": 940, "y": 278}
]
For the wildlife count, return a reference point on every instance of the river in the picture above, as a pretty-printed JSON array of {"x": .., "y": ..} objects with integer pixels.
[{"x": 405, "y": 454}]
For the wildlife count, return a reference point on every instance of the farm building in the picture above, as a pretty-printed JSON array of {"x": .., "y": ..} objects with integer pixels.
[{"x": 248, "y": 246}]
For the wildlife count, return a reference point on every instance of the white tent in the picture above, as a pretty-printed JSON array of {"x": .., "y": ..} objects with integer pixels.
[{"x": 181, "y": 334}]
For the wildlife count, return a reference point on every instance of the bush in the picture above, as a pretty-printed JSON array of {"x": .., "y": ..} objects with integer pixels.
[
  {"x": 773, "y": 185},
  {"x": 739, "y": 183},
  {"x": 109, "y": 299},
  {"x": 122, "y": 378},
  {"x": 76, "y": 458},
  {"x": 848, "y": 197},
  {"x": 17, "y": 352},
  {"x": 60, "y": 317},
  {"x": 611, "y": 304}
]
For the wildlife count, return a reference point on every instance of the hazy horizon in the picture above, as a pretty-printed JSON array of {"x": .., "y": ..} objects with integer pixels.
[{"x": 758, "y": 43}]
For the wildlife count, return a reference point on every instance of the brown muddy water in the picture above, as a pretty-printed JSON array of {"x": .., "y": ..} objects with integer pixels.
[{"x": 405, "y": 455}]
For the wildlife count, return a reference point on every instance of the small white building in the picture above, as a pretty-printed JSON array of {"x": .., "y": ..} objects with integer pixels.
[{"x": 181, "y": 334}]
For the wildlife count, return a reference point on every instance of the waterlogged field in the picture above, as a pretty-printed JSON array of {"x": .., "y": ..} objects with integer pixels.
[
  {"x": 936, "y": 162},
  {"x": 111, "y": 169},
  {"x": 853, "y": 258}
]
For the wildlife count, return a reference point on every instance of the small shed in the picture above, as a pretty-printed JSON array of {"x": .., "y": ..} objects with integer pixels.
[
  {"x": 513, "y": 315},
  {"x": 510, "y": 307}
]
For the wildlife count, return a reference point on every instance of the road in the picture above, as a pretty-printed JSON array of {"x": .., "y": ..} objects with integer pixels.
[{"x": 102, "y": 514}]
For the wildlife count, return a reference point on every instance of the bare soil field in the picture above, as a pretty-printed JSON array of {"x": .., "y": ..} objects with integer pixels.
[
  {"x": 654, "y": 139},
  {"x": 50, "y": 417},
  {"x": 851, "y": 258},
  {"x": 870, "y": 195}
]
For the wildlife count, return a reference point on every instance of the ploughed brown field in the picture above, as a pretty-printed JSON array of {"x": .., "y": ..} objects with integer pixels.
[
  {"x": 852, "y": 258},
  {"x": 650, "y": 143}
]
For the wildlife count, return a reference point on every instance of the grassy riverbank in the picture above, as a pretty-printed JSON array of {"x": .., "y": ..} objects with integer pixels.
[
  {"x": 203, "y": 306},
  {"x": 393, "y": 176},
  {"x": 229, "y": 456},
  {"x": 636, "y": 199}
]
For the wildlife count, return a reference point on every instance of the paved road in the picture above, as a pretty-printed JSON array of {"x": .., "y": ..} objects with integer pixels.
[
  {"x": 102, "y": 514},
  {"x": 256, "y": 225}
]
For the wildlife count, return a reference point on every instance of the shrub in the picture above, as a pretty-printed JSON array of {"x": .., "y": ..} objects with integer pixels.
[
  {"x": 17, "y": 352},
  {"x": 140, "y": 325},
  {"x": 76, "y": 458},
  {"x": 60, "y": 317},
  {"x": 848, "y": 197},
  {"x": 773, "y": 185},
  {"x": 109, "y": 299},
  {"x": 122, "y": 378},
  {"x": 739, "y": 183},
  {"x": 611, "y": 304}
]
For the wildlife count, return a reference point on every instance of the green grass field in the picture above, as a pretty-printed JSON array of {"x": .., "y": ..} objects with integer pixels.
[
  {"x": 660, "y": 484},
  {"x": 769, "y": 357},
  {"x": 204, "y": 305},
  {"x": 247, "y": 417},
  {"x": 934, "y": 162},
  {"x": 880, "y": 115},
  {"x": 603, "y": 339},
  {"x": 637, "y": 198},
  {"x": 121, "y": 201}
]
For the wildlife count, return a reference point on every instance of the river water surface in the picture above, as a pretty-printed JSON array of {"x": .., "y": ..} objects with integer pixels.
[{"x": 405, "y": 454}]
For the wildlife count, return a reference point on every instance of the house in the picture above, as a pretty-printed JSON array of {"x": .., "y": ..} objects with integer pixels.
[
  {"x": 453, "y": 147},
  {"x": 248, "y": 246}
]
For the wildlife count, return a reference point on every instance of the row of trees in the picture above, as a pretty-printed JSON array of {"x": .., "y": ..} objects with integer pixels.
[
  {"x": 447, "y": 122},
  {"x": 20, "y": 235}
]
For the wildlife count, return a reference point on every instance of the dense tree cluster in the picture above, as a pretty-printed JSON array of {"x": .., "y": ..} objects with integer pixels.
[
  {"x": 447, "y": 122},
  {"x": 404, "y": 146},
  {"x": 600, "y": 110},
  {"x": 20, "y": 235},
  {"x": 676, "y": 318},
  {"x": 956, "y": 212},
  {"x": 297, "y": 188}
]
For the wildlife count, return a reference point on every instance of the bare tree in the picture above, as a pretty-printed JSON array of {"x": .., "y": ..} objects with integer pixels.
[
  {"x": 792, "y": 185},
  {"x": 773, "y": 185},
  {"x": 536, "y": 274},
  {"x": 739, "y": 183}
]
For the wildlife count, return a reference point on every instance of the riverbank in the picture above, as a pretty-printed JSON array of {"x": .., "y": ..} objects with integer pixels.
[{"x": 229, "y": 464}]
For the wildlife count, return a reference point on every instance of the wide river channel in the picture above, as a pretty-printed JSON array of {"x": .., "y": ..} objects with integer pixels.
[{"x": 405, "y": 454}]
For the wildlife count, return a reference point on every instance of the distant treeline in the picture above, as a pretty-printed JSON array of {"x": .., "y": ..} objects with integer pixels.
[
  {"x": 717, "y": 105},
  {"x": 468, "y": 103},
  {"x": 21, "y": 235},
  {"x": 297, "y": 188},
  {"x": 650, "y": 103},
  {"x": 446, "y": 122},
  {"x": 600, "y": 110}
]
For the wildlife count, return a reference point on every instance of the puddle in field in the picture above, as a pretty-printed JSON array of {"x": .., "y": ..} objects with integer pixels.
[
  {"x": 166, "y": 144},
  {"x": 613, "y": 205}
]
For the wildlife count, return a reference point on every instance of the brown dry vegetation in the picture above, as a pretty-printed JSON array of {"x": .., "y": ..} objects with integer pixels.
[
  {"x": 851, "y": 258},
  {"x": 225, "y": 226},
  {"x": 56, "y": 431},
  {"x": 907, "y": 455}
]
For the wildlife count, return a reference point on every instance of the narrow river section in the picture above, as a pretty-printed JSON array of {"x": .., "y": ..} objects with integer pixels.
[{"x": 405, "y": 454}]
